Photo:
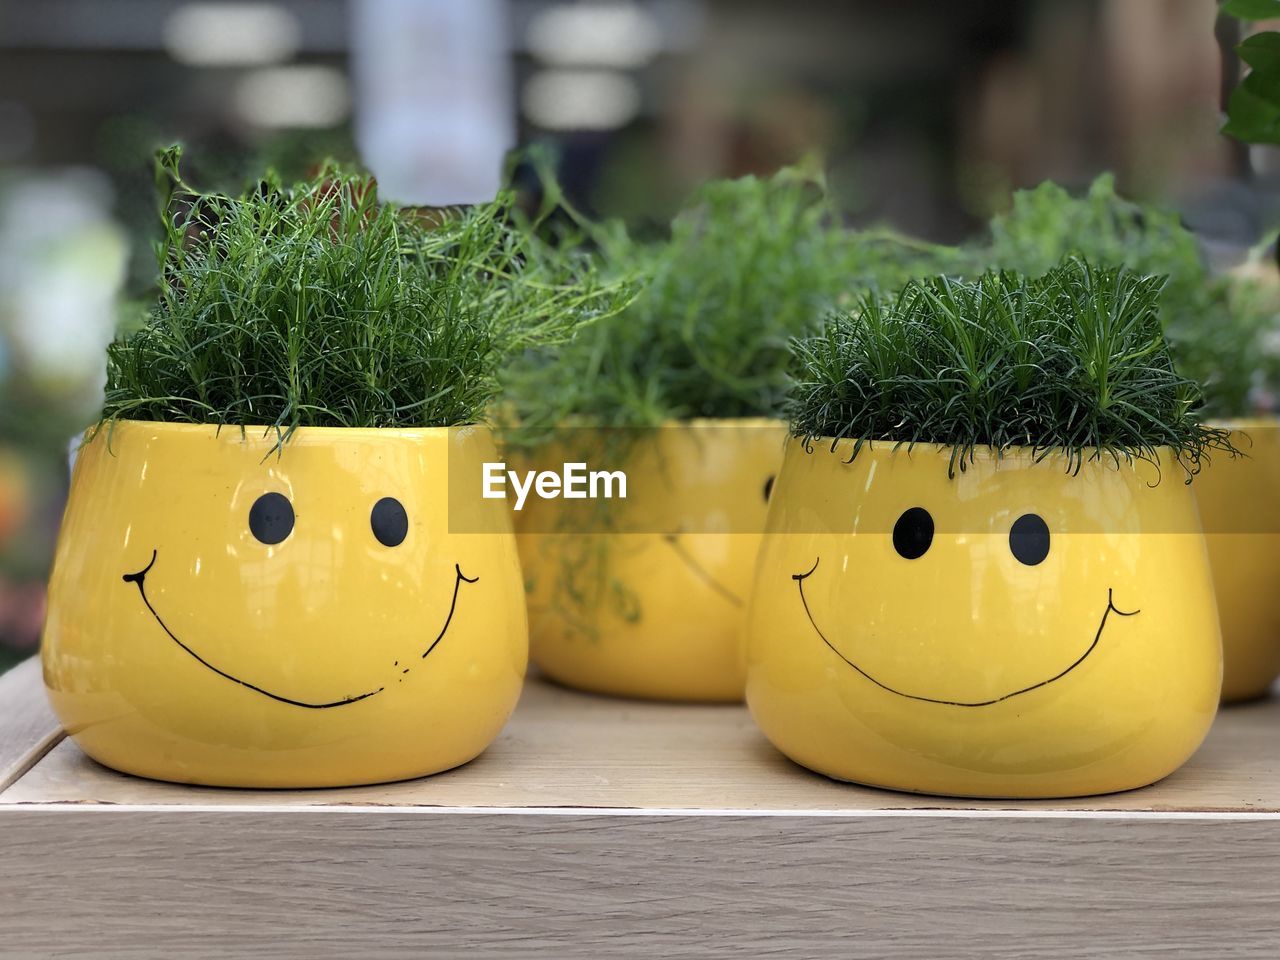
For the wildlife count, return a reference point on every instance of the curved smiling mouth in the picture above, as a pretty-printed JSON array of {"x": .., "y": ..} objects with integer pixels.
[
  {"x": 800, "y": 578},
  {"x": 140, "y": 577},
  {"x": 699, "y": 570}
]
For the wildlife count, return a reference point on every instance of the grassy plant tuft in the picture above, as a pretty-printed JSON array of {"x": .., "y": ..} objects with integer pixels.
[
  {"x": 1220, "y": 329},
  {"x": 316, "y": 305},
  {"x": 1074, "y": 361},
  {"x": 750, "y": 263}
]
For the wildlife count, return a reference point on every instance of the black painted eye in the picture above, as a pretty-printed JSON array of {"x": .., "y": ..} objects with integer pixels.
[
  {"x": 271, "y": 518},
  {"x": 913, "y": 533},
  {"x": 389, "y": 522},
  {"x": 1029, "y": 539},
  {"x": 768, "y": 487}
]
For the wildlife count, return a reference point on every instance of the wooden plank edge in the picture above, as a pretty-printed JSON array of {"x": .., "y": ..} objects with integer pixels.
[
  {"x": 482, "y": 887},
  {"x": 655, "y": 813},
  {"x": 28, "y": 728}
]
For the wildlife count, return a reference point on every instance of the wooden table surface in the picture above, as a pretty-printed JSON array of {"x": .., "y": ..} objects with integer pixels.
[{"x": 606, "y": 828}]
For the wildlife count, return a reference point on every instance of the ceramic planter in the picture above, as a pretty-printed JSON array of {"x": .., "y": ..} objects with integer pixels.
[
  {"x": 221, "y": 614},
  {"x": 1012, "y": 632},
  {"x": 666, "y": 619},
  {"x": 1241, "y": 512}
]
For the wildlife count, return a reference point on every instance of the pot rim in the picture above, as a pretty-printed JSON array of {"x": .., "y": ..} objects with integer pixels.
[
  {"x": 1260, "y": 421},
  {"x": 720, "y": 422},
  {"x": 259, "y": 433},
  {"x": 982, "y": 452},
  {"x": 727, "y": 422}
]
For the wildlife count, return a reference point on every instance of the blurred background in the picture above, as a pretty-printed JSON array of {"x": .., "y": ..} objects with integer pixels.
[{"x": 926, "y": 115}]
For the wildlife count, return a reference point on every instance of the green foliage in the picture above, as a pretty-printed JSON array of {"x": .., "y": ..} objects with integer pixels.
[
  {"x": 1074, "y": 361},
  {"x": 1261, "y": 51},
  {"x": 1252, "y": 9},
  {"x": 1217, "y": 326},
  {"x": 1047, "y": 223},
  {"x": 315, "y": 305},
  {"x": 1253, "y": 110},
  {"x": 749, "y": 264}
]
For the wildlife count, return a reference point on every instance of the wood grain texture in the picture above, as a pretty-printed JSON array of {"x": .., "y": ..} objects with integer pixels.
[
  {"x": 28, "y": 728},
  {"x": 568, "y": 749},
  {"x": 598, "y": 828},
  {"x": 111, "y": 884}
]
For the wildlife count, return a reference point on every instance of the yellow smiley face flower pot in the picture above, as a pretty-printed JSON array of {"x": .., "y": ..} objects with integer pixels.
[
  {"x": 652, "y": 606},
  {"x": 222, "y": 612},
  {"x": 1240, "y": 509},
  {"x": 1014, "y": 631},
  {"x": 972, "y": 616},
  {"x": 264, "y": 577},
  {"x": 656, "y": 609}
]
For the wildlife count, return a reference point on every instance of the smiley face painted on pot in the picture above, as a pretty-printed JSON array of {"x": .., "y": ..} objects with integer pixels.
[
  {"x": 228, "y": 614},
  {"x": 1014, "y": 630}
]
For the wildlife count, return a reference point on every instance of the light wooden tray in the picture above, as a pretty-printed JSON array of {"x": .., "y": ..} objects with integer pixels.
[{"x": 604, "y": 828}]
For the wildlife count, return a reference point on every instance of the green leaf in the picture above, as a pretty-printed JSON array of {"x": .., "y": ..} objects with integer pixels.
[
  {"x": 1262, "y": 53},
  {"x": 167, "y": 178},
  {"x": 1253, "y": 113},
  {"x": 1252, "y": 9}
]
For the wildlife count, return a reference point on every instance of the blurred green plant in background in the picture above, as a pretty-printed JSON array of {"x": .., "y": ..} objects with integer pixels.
[
  {"x": 62, "y": 262},
  {"x": 748, "y": 265},
  {"x": 1223, "y": 328}
]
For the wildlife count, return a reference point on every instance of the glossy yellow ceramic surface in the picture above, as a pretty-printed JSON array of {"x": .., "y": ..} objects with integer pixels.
[
  {"x": 967, "y": 671},
  {"x": 658, "y": 615},
  {"x": 180, "y": 645},
  {"x": 1240, "y": 506}
]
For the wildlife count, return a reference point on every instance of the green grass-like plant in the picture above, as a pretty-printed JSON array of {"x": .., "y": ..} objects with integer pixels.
[
  {"x": 1072, "y": 362},
  {"x": 1047, "y": 223},
  {"x": 317, "y": 305},
  {"x": 1218, "y": 327},
  {"x": 750, "y": 263}
]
